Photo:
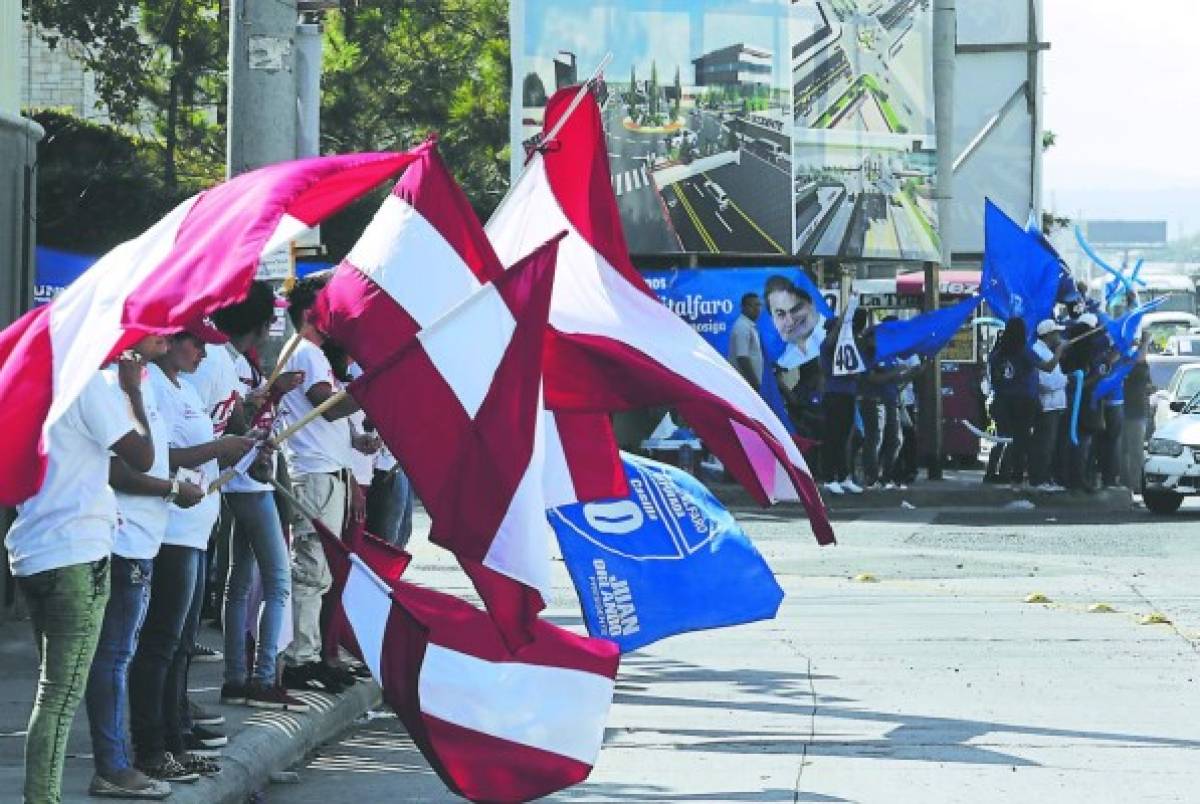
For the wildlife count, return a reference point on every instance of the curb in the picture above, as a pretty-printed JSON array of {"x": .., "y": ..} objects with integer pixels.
[
  {"x": 274, "y": 741},
  {"x": 974, "y": 496}
]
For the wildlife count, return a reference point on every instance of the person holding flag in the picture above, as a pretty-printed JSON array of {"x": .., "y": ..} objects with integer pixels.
[{"x": 842, "y": 366}]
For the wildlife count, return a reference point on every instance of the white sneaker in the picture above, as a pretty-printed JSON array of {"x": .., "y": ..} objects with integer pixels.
[
  {"x": 834, "y": 487},
  {"x": 852, "y": 487},
  {"x": 1055, "y": 487},
  {"x": 889, "y": 485}
]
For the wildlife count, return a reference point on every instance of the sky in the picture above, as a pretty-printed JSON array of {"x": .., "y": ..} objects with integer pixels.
[{"x": 1120, "y": 83}]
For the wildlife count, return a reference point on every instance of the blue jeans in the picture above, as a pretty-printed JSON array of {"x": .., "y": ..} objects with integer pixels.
[
  {"x": 390, "y": 506},
  {"x": 108, "y": 688},
  {"x": 158, "y": 673},
  {"x": 257, "y": 537}
]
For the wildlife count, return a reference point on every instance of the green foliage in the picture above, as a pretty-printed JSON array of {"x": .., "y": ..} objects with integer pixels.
[
  {"x": 97, "y": 186},
  {"x": 397, "y": 70}
]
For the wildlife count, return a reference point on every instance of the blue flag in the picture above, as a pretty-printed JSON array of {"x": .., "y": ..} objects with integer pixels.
[
  {"x": 1123, "y": 330},
  {"x": 665, "y": 560},
  {"x": 1112, "y": 383},
  {"x": 1021, "y": 273},
  {"x": 924, "y": 334}
]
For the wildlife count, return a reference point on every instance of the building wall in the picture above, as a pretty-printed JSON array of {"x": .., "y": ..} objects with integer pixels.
[{"x": 51, "y": 78}]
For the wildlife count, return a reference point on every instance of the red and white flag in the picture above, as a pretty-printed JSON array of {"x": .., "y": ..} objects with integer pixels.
[
  {"x": 458, "y": 399},
  {"x": 495, "y": 727},
  {"x": 620, "y": 347},
  {"x": 202, "y": 256}
]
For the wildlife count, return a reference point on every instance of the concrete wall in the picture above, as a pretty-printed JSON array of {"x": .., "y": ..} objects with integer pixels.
[
  {"x": 18, "y": 154},
  {"x": 51, "y": 78}
]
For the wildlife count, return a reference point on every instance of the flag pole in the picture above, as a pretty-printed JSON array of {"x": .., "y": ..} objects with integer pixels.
[
  {"x": 276, "y": 440},
  {"x": 575, "y": 101},
  {"x": 288, "y": 348}
]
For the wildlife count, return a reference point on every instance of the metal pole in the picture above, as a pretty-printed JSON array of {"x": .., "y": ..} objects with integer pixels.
[
  {"x": 944, "y": 41},
  {"x": 262, "y": 85}
]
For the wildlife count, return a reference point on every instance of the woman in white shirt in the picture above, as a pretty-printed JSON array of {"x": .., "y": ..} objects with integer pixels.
[{"x": 158, "y": 673}]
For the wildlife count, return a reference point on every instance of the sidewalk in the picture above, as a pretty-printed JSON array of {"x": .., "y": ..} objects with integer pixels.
[
  {"x": 260, "y": 743},
  {"x": 958, "y": 489}
]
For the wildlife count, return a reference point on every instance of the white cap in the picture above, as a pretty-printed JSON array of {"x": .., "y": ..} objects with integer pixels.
[
  {"x": 1089, "y": 320},
  {"x": 1048, "y": 326}
]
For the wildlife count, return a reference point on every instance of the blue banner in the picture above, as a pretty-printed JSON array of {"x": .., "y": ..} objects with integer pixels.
[
  {"x": 666, "y": 560},
  {"x": 56, "y": 269}
]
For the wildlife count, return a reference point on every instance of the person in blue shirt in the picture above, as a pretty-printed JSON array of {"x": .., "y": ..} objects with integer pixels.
[{"x": 1013, "y": 368}]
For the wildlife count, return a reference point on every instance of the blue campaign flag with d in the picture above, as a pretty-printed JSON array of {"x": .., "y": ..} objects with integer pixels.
[{"x": 665, "y": 560}]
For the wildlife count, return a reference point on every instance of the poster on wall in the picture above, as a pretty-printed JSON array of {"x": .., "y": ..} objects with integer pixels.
[{"x": 749, "y": 126}]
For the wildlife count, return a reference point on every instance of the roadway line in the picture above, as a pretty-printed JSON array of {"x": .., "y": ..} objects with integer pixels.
[
  {"x": 691, "y": 213},
  {"x": 728, "y": 228},
  {"x": 756, "y": 227}
]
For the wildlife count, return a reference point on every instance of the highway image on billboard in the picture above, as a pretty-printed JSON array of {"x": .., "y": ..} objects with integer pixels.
[
  {"x": 756, "y": 127},
  {"x": 863, "y": 146},
  {"x": 697, "y": 113}
]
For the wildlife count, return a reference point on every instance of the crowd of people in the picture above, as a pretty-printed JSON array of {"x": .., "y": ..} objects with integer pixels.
[
  {"x": 1069, "y": 405},
  {"x": 862, "y": 414},
  {"x": 114, "y": 553}
]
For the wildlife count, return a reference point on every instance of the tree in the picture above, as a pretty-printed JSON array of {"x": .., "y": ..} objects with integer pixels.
[
  {"x": 158, "y": 64},
  {"x": 397, "y": 70},
  {"x": 652, "y": 90},
  {"x": 533, "y": 91},
  {"x": 632, "y": 100}
]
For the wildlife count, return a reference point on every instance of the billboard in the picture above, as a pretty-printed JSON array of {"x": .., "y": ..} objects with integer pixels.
[{"x": 772, "y": 127}]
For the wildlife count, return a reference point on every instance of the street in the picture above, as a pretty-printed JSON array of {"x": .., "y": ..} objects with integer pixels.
[{"x": 934, "y": 683}]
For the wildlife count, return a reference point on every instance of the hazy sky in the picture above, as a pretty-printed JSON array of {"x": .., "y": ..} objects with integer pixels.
[{"x": 1121, "y": 81}]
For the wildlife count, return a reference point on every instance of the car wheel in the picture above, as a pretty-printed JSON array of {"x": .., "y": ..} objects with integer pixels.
[{"x": 1162, "y": 502}]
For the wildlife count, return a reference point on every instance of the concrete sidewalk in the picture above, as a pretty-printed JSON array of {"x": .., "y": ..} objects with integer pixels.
[
  {"x": 260, "y": 742},
  {"x": 957, "y": 490}
]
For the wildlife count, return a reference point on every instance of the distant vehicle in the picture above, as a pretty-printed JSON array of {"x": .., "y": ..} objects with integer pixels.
[
  {"x": 1183, "y": 345},
  {"x": 1180, "y": 291},
  {"x": 1172, "y": 468},
  {"x": 1182, "y": 387},
  {"x": 718, "y": 194}
]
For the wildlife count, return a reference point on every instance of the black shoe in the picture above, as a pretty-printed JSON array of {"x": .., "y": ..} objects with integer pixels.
[
  {"x": 310, "y": 677},
  {"x": 264, "y": 697},
  {"x": 195, "y": 763},
  {"x": 168, "y": 769},
  {"x": 338, "y": 675},
  {"x": 232, "y": 694},
  {"x": 203, "y": 653}
]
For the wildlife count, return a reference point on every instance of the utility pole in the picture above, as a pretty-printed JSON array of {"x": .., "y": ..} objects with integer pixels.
[
  {"x": 945, "y": 39},
  {"x": 262, "y": 85}
]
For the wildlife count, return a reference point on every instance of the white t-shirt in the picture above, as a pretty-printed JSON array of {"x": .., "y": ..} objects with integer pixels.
[
  {"x": 249, "y": 381},
  {"x": 362, "y": 466},
  {"x": 384, "y": 459},
  {"x": 744, "y": 342},
  {"x": 72, "y": 517},
  {"x": 189, "y": 425},
  {"x": 142, "y": 518},
  {"x": 908, "y": 394},
  {"x": 217, "y": 383},
  {"x": 1052, "y": 385},
  {"x": 321, "y": 445}
]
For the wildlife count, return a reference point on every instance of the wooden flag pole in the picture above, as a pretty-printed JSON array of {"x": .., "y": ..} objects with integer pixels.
[
  {"x": 288, "y": 349},
  {"x": 284, "y": 435}
]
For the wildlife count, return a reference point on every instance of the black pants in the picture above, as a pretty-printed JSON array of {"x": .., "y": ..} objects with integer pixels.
[
  {"x": 158, "y": 672},
  {"x": 1044, "y": 446},
  {"x": 1108, "y": 446},
  {"x": 1014, "y": 416},
  {"x": 839, "y": 423},
  {"x": 907, "y": 462}
]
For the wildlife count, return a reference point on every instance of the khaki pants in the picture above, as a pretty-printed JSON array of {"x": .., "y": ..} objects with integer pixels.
[{"x": 326, "y": 496}]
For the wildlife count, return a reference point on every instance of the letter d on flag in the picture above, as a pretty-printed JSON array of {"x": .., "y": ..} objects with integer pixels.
[{"x": 665, "y": 560}]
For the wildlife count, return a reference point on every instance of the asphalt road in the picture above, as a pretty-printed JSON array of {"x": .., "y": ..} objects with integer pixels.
[
  {"x": 937, "y": 683},
  {"x": 642, "y": 211}
]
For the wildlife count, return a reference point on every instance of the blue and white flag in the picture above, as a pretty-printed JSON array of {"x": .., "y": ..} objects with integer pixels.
[
  {"x": 666, "y": 560},
  {"x": 924, "y": 334}
]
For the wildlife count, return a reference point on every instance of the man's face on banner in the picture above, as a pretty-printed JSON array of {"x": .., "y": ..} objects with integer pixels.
[{"x": 794, "y": 316}]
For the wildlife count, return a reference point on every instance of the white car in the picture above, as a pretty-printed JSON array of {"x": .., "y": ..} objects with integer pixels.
[
  {"x": 1172, "y": 469},
  {"x": 1183, "y": 386}
]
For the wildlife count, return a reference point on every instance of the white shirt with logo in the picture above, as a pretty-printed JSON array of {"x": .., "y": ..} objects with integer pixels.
[
  {"x": 217, "y": 383},
  {"x": 189, "y": 426},
  {"x": 72, "y": 518}
]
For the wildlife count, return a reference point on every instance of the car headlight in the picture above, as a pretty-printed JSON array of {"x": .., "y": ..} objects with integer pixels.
[{"x": 1165, "y": 446}]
